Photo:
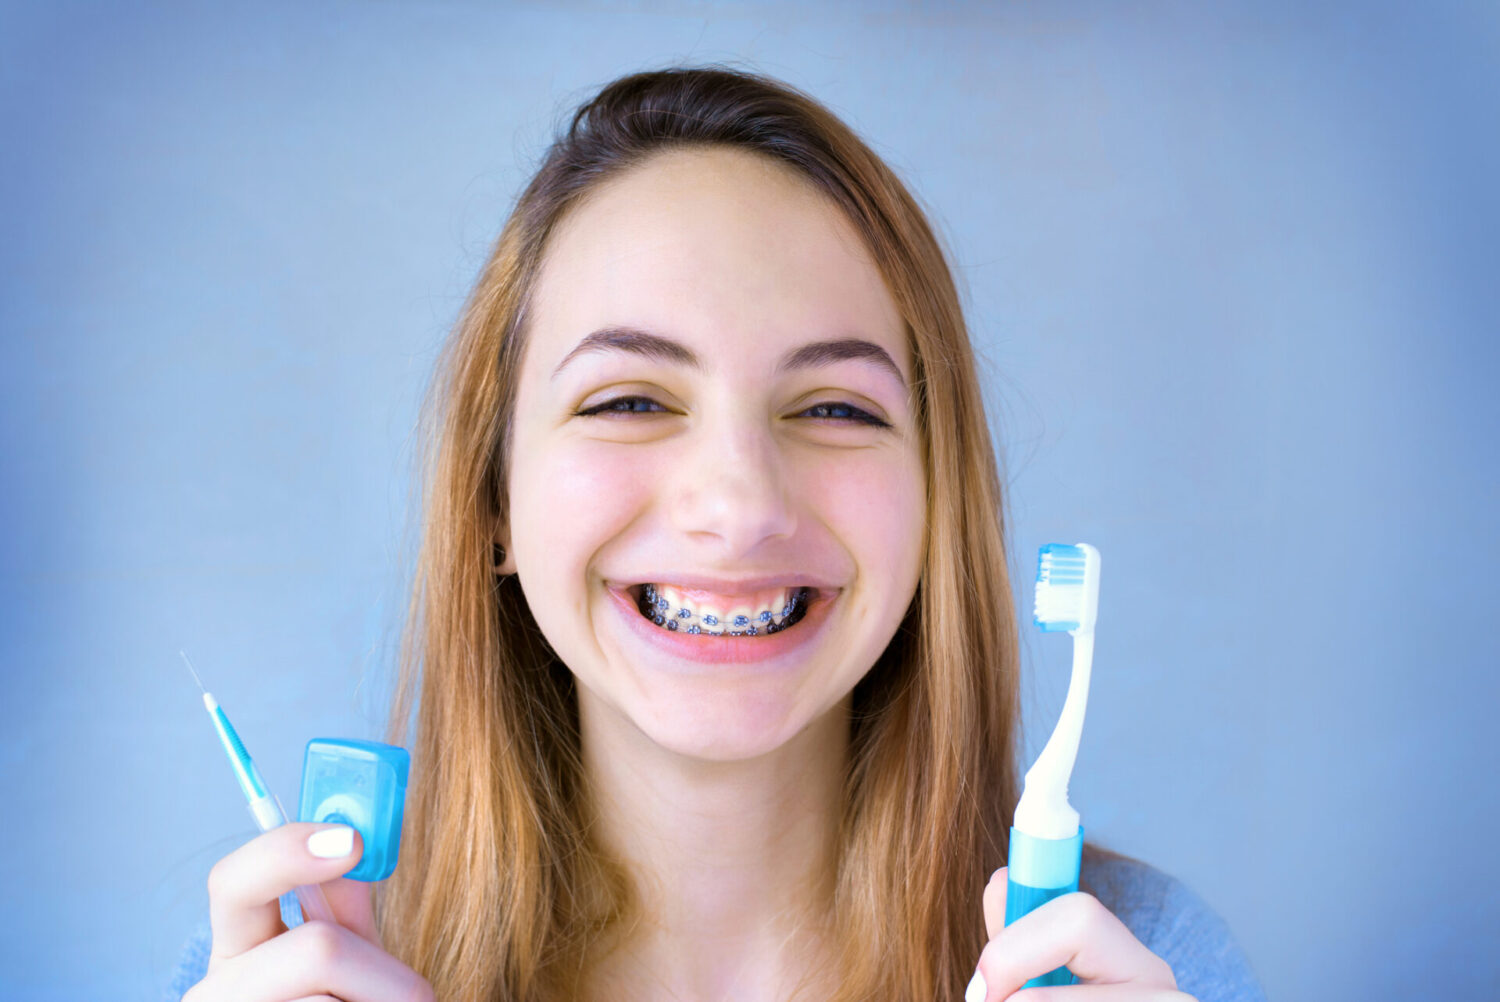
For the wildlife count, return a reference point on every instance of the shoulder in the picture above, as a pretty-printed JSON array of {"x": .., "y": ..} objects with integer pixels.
[{"x": 1175, "y": 924}]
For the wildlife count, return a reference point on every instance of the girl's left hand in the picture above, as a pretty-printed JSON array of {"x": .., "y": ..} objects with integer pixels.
[{"x": 1075, "y": 931}]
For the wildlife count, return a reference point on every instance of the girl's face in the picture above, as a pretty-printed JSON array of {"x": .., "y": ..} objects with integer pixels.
[{"x": 714, "y": 402}]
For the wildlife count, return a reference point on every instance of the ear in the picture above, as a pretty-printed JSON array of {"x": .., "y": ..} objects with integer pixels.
[{"x": 504, "y": 562}]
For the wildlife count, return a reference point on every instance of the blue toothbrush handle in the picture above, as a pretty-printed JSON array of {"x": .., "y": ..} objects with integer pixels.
[{"x": 1041, "y": 869}]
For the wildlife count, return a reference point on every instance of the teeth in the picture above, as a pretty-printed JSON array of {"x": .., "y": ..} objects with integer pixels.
[{"x": 674, "y": 609}]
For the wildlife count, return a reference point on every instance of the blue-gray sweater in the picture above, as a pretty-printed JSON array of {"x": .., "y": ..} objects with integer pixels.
[{"x": 1169, "y": 919}]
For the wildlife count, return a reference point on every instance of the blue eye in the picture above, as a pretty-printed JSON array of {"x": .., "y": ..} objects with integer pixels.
[
  {"x": 845, "y": 412},
  {"x": 624, "y": 405}
]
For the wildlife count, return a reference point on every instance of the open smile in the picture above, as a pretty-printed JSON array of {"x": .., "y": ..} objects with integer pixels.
[
  {"x": 729, "y": 633},
  {"x": 695, "y": 613}
]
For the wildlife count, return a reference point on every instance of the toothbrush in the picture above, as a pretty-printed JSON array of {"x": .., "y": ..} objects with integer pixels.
[
  {"x": 265, "y": 808},
  {"x": 1046, "y": 840}
]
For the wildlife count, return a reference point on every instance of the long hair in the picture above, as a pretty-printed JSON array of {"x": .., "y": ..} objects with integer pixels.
[{"x": 502, "y": 892}]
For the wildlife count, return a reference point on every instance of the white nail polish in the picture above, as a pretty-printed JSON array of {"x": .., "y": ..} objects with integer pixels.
[
  {"x": 975, "y": 991},
  {"x": 331, "y": 843}
]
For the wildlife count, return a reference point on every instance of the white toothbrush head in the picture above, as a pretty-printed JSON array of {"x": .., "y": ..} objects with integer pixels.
[{"x": 1067, "y": 588}]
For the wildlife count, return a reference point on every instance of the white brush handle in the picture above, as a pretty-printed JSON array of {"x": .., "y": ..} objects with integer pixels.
[
  {"x": 268, "y": 814},
  {"x": 1044, "y": 811},
  {"x": 314, "y": 903}
]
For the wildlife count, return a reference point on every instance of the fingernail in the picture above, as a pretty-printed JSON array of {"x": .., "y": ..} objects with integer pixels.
[
  {"x": 331, "y": 843},
  {"x": 975, "y": 991}
]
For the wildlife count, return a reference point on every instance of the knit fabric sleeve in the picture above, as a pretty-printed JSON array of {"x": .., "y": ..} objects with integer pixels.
[
  {"x": 1176, "y": 925},
  {"x": 192, "y": 963}
]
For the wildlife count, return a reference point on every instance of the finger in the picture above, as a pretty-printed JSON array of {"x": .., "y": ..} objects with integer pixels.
[
  {"x": 244, "y": 886},
  {"x": 994, "y": 902},
  {"x": 353, "y": 903},
  {"x": 320, "y": 959},
  {"x": 1073, "y": 931}
]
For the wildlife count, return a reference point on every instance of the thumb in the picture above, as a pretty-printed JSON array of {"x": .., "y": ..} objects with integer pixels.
[
  {"x": 994, "y": 902},
  {"x": 353, "y": 901},
  {"x": 353, "y": 904}
]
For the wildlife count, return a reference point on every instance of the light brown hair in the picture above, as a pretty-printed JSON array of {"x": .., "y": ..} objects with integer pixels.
[{"x": 501, "y": 893}]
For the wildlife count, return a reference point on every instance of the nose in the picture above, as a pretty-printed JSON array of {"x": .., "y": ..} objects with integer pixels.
[{"x": 730, "y": 487}]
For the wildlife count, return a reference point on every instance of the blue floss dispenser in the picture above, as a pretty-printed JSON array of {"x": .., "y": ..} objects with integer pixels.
[{"x": 361, "y": 784}]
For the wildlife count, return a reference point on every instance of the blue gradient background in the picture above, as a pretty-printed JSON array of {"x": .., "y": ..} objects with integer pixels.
[{"x": 1231, "y": 268}]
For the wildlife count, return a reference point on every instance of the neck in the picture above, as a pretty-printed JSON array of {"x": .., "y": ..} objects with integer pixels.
[{"x": 732, "y": 861}]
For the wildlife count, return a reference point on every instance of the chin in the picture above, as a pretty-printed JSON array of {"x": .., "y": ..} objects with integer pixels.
[{"x": 722, "y": 727}]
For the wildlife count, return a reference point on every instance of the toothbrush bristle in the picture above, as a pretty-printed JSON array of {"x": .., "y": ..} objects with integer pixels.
[
  {"x": 185, "y": 661},
  {"x": 1062, "y": 592}
]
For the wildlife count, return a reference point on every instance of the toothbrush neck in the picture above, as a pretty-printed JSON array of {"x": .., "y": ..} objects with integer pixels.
[{"x": 1055, "y": 763}]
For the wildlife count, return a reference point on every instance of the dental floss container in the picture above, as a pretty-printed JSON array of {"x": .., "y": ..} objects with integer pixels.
[{"x": 361, "y": 784}]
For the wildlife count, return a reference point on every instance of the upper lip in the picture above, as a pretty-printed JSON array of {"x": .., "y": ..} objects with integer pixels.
[{"x": 732, "y": 585}]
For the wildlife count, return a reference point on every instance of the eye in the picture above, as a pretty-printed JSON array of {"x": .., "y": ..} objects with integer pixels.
[
  {"x": 842, "y": 412},
  {"x": 623, "y": 405}
]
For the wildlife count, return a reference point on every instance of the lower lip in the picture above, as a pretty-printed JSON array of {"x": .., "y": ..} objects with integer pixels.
[{"x": 705, "y": 648}]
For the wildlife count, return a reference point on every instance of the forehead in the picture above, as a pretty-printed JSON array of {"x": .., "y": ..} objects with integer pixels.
[{"x": 712, "y": 240}]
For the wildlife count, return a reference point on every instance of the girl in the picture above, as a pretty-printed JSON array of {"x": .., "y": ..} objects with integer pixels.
[{"x": 712, "y": 642}]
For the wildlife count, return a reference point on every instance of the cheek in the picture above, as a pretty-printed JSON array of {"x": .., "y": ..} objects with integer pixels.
[
  {"x": 568, "y": 503},
  {"x": 571, "y": 499},
  {"x": 878, "y": 505}
]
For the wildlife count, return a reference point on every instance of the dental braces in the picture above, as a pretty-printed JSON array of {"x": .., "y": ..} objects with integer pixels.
[{"x": 660, "y": 613}]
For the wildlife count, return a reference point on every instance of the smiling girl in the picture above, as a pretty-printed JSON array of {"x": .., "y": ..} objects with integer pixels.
[{"x": 712, "y": 646}]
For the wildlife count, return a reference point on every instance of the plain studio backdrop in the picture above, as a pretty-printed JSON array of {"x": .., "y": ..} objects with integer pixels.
[{"x": 1231, "y": 269}]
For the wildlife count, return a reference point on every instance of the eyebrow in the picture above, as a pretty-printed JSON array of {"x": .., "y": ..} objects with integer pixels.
[{"x": 664, "y": 349}]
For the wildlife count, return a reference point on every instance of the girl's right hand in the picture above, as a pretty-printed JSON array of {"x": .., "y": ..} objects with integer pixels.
[{"x": 256, "y": 959}]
